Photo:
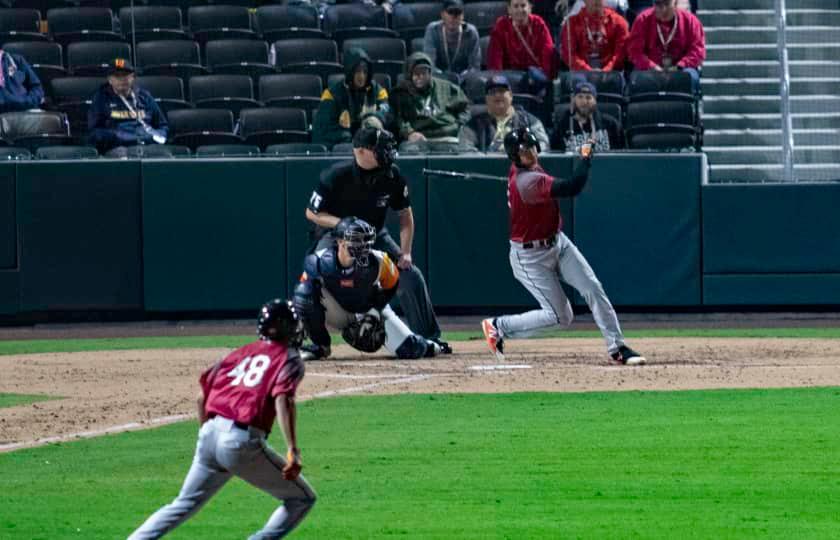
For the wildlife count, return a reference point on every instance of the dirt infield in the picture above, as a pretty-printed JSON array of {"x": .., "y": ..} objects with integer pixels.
[{"x": 120, "y": 390}]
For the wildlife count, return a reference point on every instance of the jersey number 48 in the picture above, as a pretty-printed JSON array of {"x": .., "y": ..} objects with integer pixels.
[{"x": 249, "y": 371}]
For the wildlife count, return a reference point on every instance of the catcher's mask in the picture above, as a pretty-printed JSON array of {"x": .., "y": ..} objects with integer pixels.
[
  {"x": 519, "y": 139},
  {"x": 380, "y": 141},
  {"x": 278, "y": 321},
  {"x": 358, "y": 235}
]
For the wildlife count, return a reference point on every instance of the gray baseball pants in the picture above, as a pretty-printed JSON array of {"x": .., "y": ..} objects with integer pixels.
[
  {"x": 224, "y": 450},
  {"x": 540, "y": 270}
]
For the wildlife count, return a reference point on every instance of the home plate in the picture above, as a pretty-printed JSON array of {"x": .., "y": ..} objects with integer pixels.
[{"x": 500, "y": 366}]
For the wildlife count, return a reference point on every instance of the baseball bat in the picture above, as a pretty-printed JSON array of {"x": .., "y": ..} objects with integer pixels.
[{"x": 465, "y": 176}]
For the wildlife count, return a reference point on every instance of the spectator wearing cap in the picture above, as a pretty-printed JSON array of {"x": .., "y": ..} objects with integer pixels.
[
  {"x": 347, "y": 105},
  {"x": 594, "y": 39},
  {"x": 620, "y": 6},
  {"x": 486, "y": 131},
  {"x": 123, "y": 115},
  {"x": 452, "y": 44},
  {"x": 20, "y": 87},
  {"x": 429, "y": 112},
  {"x": 666, "y": 38},
  {"x": 584, "y": 123},
  {"x": 521, "y": 40}
]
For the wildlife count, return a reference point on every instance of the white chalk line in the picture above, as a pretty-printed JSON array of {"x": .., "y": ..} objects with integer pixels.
[
  {"x": 348, "y": 376},
  {"x": 164, "y": 420},
  {"x": 500, "y": 367}
]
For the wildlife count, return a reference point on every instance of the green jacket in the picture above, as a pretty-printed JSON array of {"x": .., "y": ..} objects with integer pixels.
[
  {"x": 342, "y": 110},
  {"x": 439, "y": 111}
]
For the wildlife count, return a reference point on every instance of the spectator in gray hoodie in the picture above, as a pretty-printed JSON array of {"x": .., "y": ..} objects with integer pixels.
[{"x": 453, "y": 44}]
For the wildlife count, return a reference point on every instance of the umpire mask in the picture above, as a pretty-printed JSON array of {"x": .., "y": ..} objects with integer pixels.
[{"x": 380, "y": 141}]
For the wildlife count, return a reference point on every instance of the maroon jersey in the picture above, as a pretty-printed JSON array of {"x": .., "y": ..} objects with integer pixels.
[
  {"x": 243, "y": 385},
  {"x": 534, "y": 214}
]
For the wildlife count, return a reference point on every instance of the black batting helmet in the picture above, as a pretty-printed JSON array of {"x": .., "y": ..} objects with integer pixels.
[
  {"x": 380, "y": 141},
  {"x": 359, "y": 235},
  {"x": 278, "y": 321},
  {"x": 518, "y": 139}
]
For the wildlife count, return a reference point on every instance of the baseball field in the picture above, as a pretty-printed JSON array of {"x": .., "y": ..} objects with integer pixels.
[{"x": 726, "y": 433}]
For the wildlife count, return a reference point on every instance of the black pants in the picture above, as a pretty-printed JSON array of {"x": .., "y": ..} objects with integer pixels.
[{"x": 412, "y": 293}]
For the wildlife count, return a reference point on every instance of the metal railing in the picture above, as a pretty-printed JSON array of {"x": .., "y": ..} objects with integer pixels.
[{"x": 784, "y": 91}]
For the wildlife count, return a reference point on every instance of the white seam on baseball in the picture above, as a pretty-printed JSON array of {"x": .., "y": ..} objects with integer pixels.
[{"x": 164, "y": 420}]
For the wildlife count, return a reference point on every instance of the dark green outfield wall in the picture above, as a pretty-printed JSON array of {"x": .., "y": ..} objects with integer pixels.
[{"x": 221, "y": 235}]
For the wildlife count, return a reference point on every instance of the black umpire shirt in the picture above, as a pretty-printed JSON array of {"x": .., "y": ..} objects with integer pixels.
[{"x": 346, "y": 189}]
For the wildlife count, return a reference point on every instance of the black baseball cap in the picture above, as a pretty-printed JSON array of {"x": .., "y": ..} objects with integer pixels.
[
  {"x": 120, "y": 65},
  {"x": 453, "y": 6},
  {"x": 497, "y": 81},
  {"x": 585, "y": 87}
]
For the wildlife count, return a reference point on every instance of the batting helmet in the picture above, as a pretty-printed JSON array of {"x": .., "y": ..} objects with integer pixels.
[
  {"x": 278, "y": 321},
  {"x": 380, "y": 141},
  {"x": 519, "y": 139},
  {"x": 359, "y": 235}
]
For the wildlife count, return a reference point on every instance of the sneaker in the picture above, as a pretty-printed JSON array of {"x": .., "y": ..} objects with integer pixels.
[
  {"x": 314, "y": 352},
  {"x": 627, "y": 356},
  {"x": 443, "y": 345},
  {"x": 433, "y": 349},
  {"x": 494, "y": 341}
]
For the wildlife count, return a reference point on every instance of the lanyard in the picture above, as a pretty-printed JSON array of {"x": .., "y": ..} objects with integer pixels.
[
  {"x": 525, "y": 43},
  {"x": 446, "y": 46},
  {"x": 132, "y": 110},
  {"x": 591, "y": 37},
  {"x": 673, "y": 33},
  {"x": 583, "y": 131}
]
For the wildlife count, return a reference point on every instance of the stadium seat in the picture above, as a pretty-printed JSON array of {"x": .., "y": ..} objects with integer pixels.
[
  {"x": 66, "y": 152},
  {"x": 152, "y": 23},
  {"x": 295, "y": 149},
  {"x": 661, "y": 112},
  {"x": 238, "y": 57},
  {"x": 655, "y": 85},
  {"x": 661, "y": 125},
  {"x": 174, "y": 58},
  {"x": 291, "y": 90},
  {"x": 612, "y": 109},
  {"x": 227, "y": 150},
  {"x": 273, "y": 125},
  {"x": 68, "y": 25},
  {"x": 387, "y": 54},
  {"x": 20, "y": 25},
  {"x": 44, "y": 57},
  {"x": 484, "y": 14},
  {"x": 484, "y": 43},
  {"x": 92, "y": 58},
  {"x": 33, "y": 129},
  {"x": 220, "y": 22},
  {"x": 410, "y": 20},
  {"x": 662, "y": 138},
  {"x": 383, "y": 79},
  {"x": 198, "y": 127},
  {"x": 298, "y": 21},
  {"x": 346, "y": 21},
  {"x": 343, "y": 148},
  {"x": 609, "y": 84},
  {"x": 73, "y": 96},
  {"x": 13, "y": 153},
  {"x": 41, "y": 6},
  {"x": 153, "y": 151},
  {"x": 308, "y": 57},
  {"x": 231, "y": 92},
  {"x": 416, "y": 45},
  {"x": 167, "y": 91},
  {"x": 474, "y": 83}
]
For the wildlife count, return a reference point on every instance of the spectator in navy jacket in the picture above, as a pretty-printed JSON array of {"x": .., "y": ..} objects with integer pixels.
[{"x": 20, "y": 88}]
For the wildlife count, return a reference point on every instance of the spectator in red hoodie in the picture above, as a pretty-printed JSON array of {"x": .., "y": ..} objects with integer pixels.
[
  {"x": 521, "y": 40},
  {"x": 665, "y": 38},
  {"x": 598, "y": 35}
]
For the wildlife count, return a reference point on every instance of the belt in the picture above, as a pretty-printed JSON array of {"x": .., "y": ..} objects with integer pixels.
[
  {"x": 239, "y": 425},
  {"x": 548, "y": 242}
]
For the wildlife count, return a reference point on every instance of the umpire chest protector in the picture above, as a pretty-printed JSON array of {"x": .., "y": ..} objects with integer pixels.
[{"x": 348, "y": 190}]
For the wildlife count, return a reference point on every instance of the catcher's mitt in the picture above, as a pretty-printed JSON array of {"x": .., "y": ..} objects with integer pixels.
[{"x": 366, "y": 334}]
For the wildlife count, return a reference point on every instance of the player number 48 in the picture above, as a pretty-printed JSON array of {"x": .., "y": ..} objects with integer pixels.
[{"x": 249, "y": 371}]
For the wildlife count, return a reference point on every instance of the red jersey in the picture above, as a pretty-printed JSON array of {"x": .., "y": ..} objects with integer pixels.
[
  {"x": 534, "y": 213},
  {"x": 594, "y": 37},
  {"x": 243, "y": 385},
  {"x": 519, "y": 49}
]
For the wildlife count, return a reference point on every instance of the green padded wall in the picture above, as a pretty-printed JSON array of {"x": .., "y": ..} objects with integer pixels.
[
  {"x": 638, "y": 224},
  {"x": 758, "y": 229},
  {"x": 214, "y": 234},
  {"x": 8, "y": 225},
  {"x": 80, "y": 237},
  {"x": 303, "y": 177},
  {"x": 469, "y": 234},
  {"x": 9, "y": 292},
  {"x": 771, "y": 289}
]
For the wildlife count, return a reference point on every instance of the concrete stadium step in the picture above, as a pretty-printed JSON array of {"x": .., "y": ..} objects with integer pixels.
[
  {"x": 768, "y": 34},
  {"x": 770, "y": 121},
  {"x": 814, "y": 103},
  {"x": 768, "y": 51},
  {"x": 751, "y": 69},
  {"x": 807, "y": 51},
  {"x": 766, "y": 4},
  {"x": 769, "y": 86},
  {"x": 747, "y": 155},
  {"x": 811, "y": 172},
  {"x": 736, "y": 104},
  {"x": 769, "y": 137},
  {"x": 813, "y": 17},
  {"x": 747, "y": 17}
]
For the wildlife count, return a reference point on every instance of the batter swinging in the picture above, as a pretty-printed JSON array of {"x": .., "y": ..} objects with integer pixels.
[{"x": 541, "y": 255}]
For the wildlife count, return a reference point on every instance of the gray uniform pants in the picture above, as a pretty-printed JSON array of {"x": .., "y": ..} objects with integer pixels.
[
  {"x": 224, "y": 450},
  {"x": 412, "y": 293},
  {"x": 540, "y": 270}
]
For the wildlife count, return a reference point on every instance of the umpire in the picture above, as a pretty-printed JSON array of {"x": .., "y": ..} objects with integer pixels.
[{"x": 366, "y": 187}]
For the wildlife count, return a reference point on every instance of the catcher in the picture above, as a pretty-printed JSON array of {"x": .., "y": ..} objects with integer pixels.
[{"x": 348, "y": 286}]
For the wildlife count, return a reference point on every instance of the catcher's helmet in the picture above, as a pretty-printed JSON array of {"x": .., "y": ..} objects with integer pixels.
[
  {"x": 278, "y": 321},
  {"x": 518, "y": 139},
  {"x": 359, "y": 235},
  {"x": 380, "y": 141}
]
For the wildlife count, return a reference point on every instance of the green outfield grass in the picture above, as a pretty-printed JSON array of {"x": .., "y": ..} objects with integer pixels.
[
  {"x": 177, "y": 342},
  {"x": 698, "y": 464},
  {"x": 11, "y": 400}
]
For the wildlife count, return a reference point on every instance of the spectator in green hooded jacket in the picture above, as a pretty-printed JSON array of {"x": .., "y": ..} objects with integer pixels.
[
  {"x": 429, "y": 112},
  {"x": 356, "y": 101}
]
